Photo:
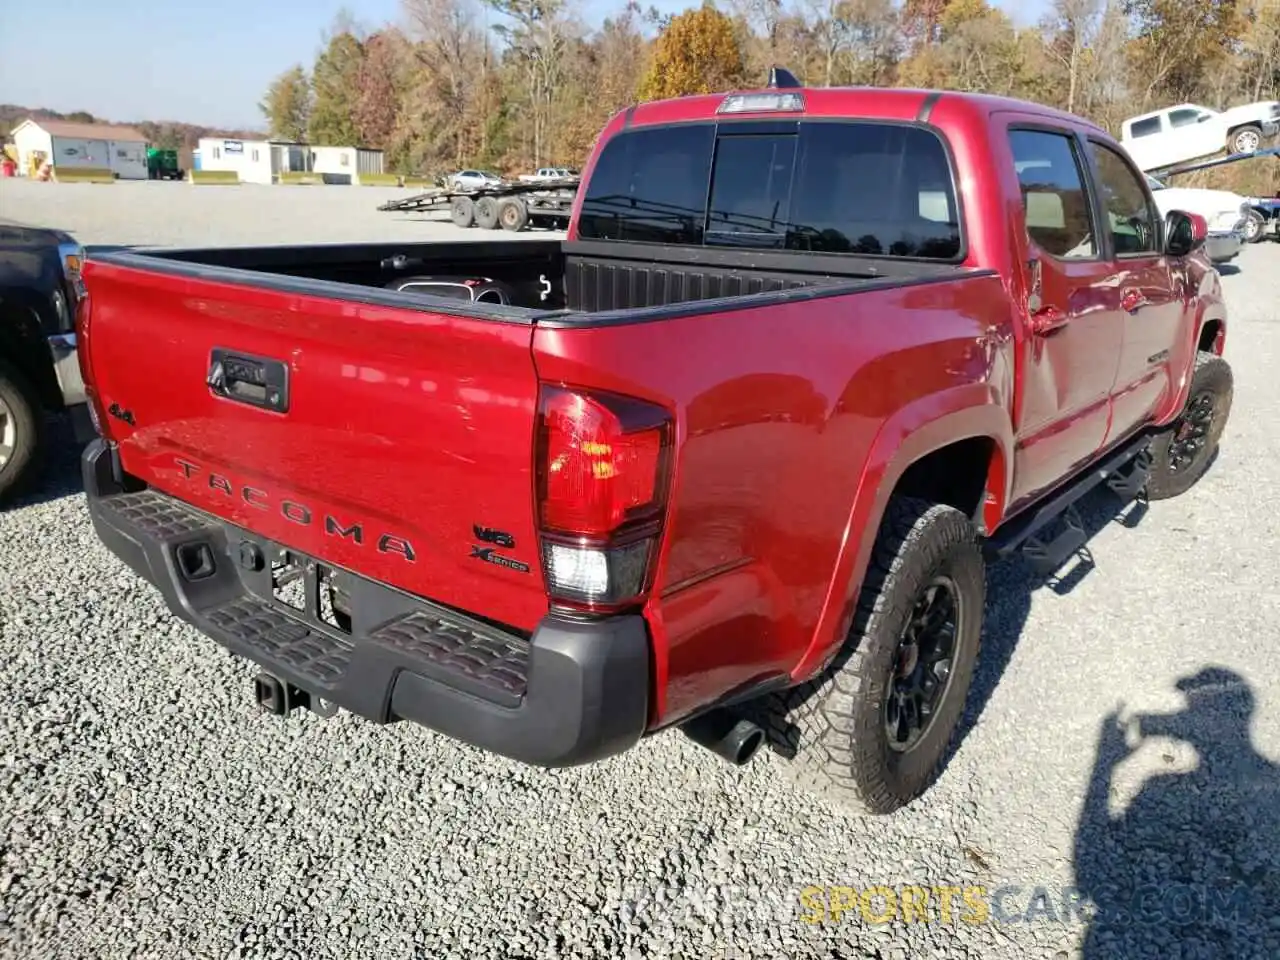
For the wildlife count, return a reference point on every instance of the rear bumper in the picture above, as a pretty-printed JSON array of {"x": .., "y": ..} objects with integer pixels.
[
  {"x": 1222, "y": 247},
  {"x": 572, "y": 693}
]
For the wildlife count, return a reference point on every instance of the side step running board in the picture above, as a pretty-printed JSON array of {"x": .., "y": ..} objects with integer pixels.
[{"x": 1125, "y": 472}]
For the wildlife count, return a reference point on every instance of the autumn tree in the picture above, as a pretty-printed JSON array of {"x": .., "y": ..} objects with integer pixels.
[
  {"x": 1180, "y": 46},
  {"x": 378, "y": 91},
  {"x": 335, "y": 81},
  {"x": 1260, "y": 49},
  {"x": 443, "y": 120},
  {"x": 696, "y": 53},
  {"x": 856, "y": 41},
  {"x": 538, "y": 38},
  {"x": 287, "y": 105},
  {"x": 1085, "y": 43}
]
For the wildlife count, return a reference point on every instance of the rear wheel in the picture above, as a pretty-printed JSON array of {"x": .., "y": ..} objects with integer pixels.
[
  {"x": 462, "y": 211},
  {"x": 21, "y": 433},
  {"x": 1182, "y": 452},
  {"x": 1255, "y": 227},
  {"x": 1245, "y": 140},
  {"x": 874, "y": 729}
]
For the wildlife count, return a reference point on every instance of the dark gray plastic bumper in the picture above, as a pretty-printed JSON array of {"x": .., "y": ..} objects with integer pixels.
[{"x": 574, "y": 692}]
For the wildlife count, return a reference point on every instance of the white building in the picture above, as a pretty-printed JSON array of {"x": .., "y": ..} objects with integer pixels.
[
  {"x": 261, "y": 161},
  {"x": 249, "y": 158},
  {"x": 123, "y": 150}
]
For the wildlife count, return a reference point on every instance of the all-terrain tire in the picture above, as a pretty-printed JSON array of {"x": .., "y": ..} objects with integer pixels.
[
  {"x": 1171, "y": 475},
  {"x": 834, "y": 726},
  {"x": 21, "y": 433}
]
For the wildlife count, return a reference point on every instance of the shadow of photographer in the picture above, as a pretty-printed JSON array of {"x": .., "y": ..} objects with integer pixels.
[{"x": 1190, "y": 865}]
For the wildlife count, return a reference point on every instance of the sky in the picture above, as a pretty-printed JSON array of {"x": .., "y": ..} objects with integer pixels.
[{"x": 196, "y": 61}]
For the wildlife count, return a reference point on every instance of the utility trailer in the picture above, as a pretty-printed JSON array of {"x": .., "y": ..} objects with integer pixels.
[
  {"x": 1264, "y": 213},
  {"x": 511, "y": 206}
]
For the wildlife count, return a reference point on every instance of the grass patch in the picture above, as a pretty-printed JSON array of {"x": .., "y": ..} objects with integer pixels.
[
  {"x": 421, "y": 183},
  {"x": 379, "y": 180},
  {"x": 83, "y": 175},
  {"x": 215, "y": 177}
]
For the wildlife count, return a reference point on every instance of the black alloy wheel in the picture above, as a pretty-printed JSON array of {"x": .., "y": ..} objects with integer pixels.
[
  {"x": 922, "y": 665},
  {"x": 1191, "y": 432}
]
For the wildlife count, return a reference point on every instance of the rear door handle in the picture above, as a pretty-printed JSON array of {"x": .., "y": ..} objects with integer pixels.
[
  {"x": 1131, "y": 300},
  {"x": 1048, "y": 319}
]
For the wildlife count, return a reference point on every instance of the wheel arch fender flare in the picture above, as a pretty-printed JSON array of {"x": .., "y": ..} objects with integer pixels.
[
  {"x": 930, "y": 424},
  {"x": 1211, "y": 316}
]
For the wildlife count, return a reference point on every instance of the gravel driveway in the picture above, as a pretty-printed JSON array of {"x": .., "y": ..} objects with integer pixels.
[{"x": 148, "y": 810}]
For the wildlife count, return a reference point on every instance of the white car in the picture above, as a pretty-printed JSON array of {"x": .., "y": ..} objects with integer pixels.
[
  {"x": 474, "y": 180},
  {"x": 1224, "y": 211},
  {"x": 548, "y": 173},
  {"x": 1189, "y": 132}
]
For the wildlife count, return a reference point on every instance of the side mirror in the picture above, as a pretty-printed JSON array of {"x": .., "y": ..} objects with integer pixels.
[{"x": 1184, "y": 233}]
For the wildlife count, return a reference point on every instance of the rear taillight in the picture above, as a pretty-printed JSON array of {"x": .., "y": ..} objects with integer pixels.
[
  {"x": 96, "y": 413},
  {"x": 603, "y": 470}
]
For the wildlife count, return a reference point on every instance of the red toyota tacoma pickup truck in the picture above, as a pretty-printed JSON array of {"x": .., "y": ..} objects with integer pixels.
[{"x": 734, "y": 449}]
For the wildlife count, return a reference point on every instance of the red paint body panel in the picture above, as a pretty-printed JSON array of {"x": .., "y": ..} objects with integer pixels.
[
  {"x": 793, "y": 420},
  {"x": 772, "y": 444},
  {"x": 415, "y": 425}
]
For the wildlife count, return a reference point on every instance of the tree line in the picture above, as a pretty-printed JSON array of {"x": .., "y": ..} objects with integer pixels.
[{"x": 516, "y": 84}]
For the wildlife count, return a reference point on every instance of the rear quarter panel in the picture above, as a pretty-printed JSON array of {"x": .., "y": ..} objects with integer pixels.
[{"x": 790, "y": 419}]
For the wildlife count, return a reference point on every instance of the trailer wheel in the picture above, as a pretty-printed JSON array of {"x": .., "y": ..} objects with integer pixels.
[
  {"x": 514, "y": 214},
  {"x": 487, "y": 213},
  {"x": 463, "y": 211}
]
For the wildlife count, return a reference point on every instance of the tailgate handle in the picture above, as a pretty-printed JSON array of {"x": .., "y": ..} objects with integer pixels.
[{"x": 244, "y": 378}]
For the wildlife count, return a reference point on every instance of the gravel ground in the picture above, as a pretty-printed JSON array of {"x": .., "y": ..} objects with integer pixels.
[{"x": 149, "y": 811}]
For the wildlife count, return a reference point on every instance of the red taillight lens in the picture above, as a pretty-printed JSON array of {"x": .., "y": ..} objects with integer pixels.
[
  {"x": 601, "y": 462},
  {"x": 94, "y": 402},
  {"x": 603, "y": 471}
]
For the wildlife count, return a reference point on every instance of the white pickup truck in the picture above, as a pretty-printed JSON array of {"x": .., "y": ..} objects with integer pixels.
[{"x": 1189, "y": 131}]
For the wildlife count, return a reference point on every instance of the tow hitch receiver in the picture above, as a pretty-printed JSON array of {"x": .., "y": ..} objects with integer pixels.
[{"x": 280, "y": 699}]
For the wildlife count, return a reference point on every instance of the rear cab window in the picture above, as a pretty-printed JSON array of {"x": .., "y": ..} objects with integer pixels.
[{"x": 873, "y": 188}]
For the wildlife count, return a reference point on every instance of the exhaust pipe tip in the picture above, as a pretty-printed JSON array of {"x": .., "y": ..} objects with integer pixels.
[{"x": 732, "y": 738}]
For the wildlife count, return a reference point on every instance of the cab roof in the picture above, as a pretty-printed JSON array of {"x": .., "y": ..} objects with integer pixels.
[{"x": 878, "y": 103}]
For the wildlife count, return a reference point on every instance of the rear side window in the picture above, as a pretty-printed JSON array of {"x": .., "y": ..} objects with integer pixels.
[
  {"x": 869, "y": 188},
  {"x": 650, "y": 185}
]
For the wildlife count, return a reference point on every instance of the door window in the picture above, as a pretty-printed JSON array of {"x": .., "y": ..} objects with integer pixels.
[
  {"x": 1185, "y": 117},
  {"x": 1054, "y": 201},
  {"x": 1131, "y": 213}
]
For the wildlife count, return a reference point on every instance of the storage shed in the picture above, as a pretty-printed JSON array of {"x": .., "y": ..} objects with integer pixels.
[
  {"x": 262, "y": 161},
  {"x": 249, "y": 158},
  {"x": 63, "y": 143}
]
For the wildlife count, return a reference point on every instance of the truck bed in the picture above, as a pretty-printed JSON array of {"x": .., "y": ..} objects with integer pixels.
[{"x": 548, "y": 277}]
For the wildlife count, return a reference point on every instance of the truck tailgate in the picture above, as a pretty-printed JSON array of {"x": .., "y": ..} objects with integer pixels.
[{"x": 395, "y": 441}]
